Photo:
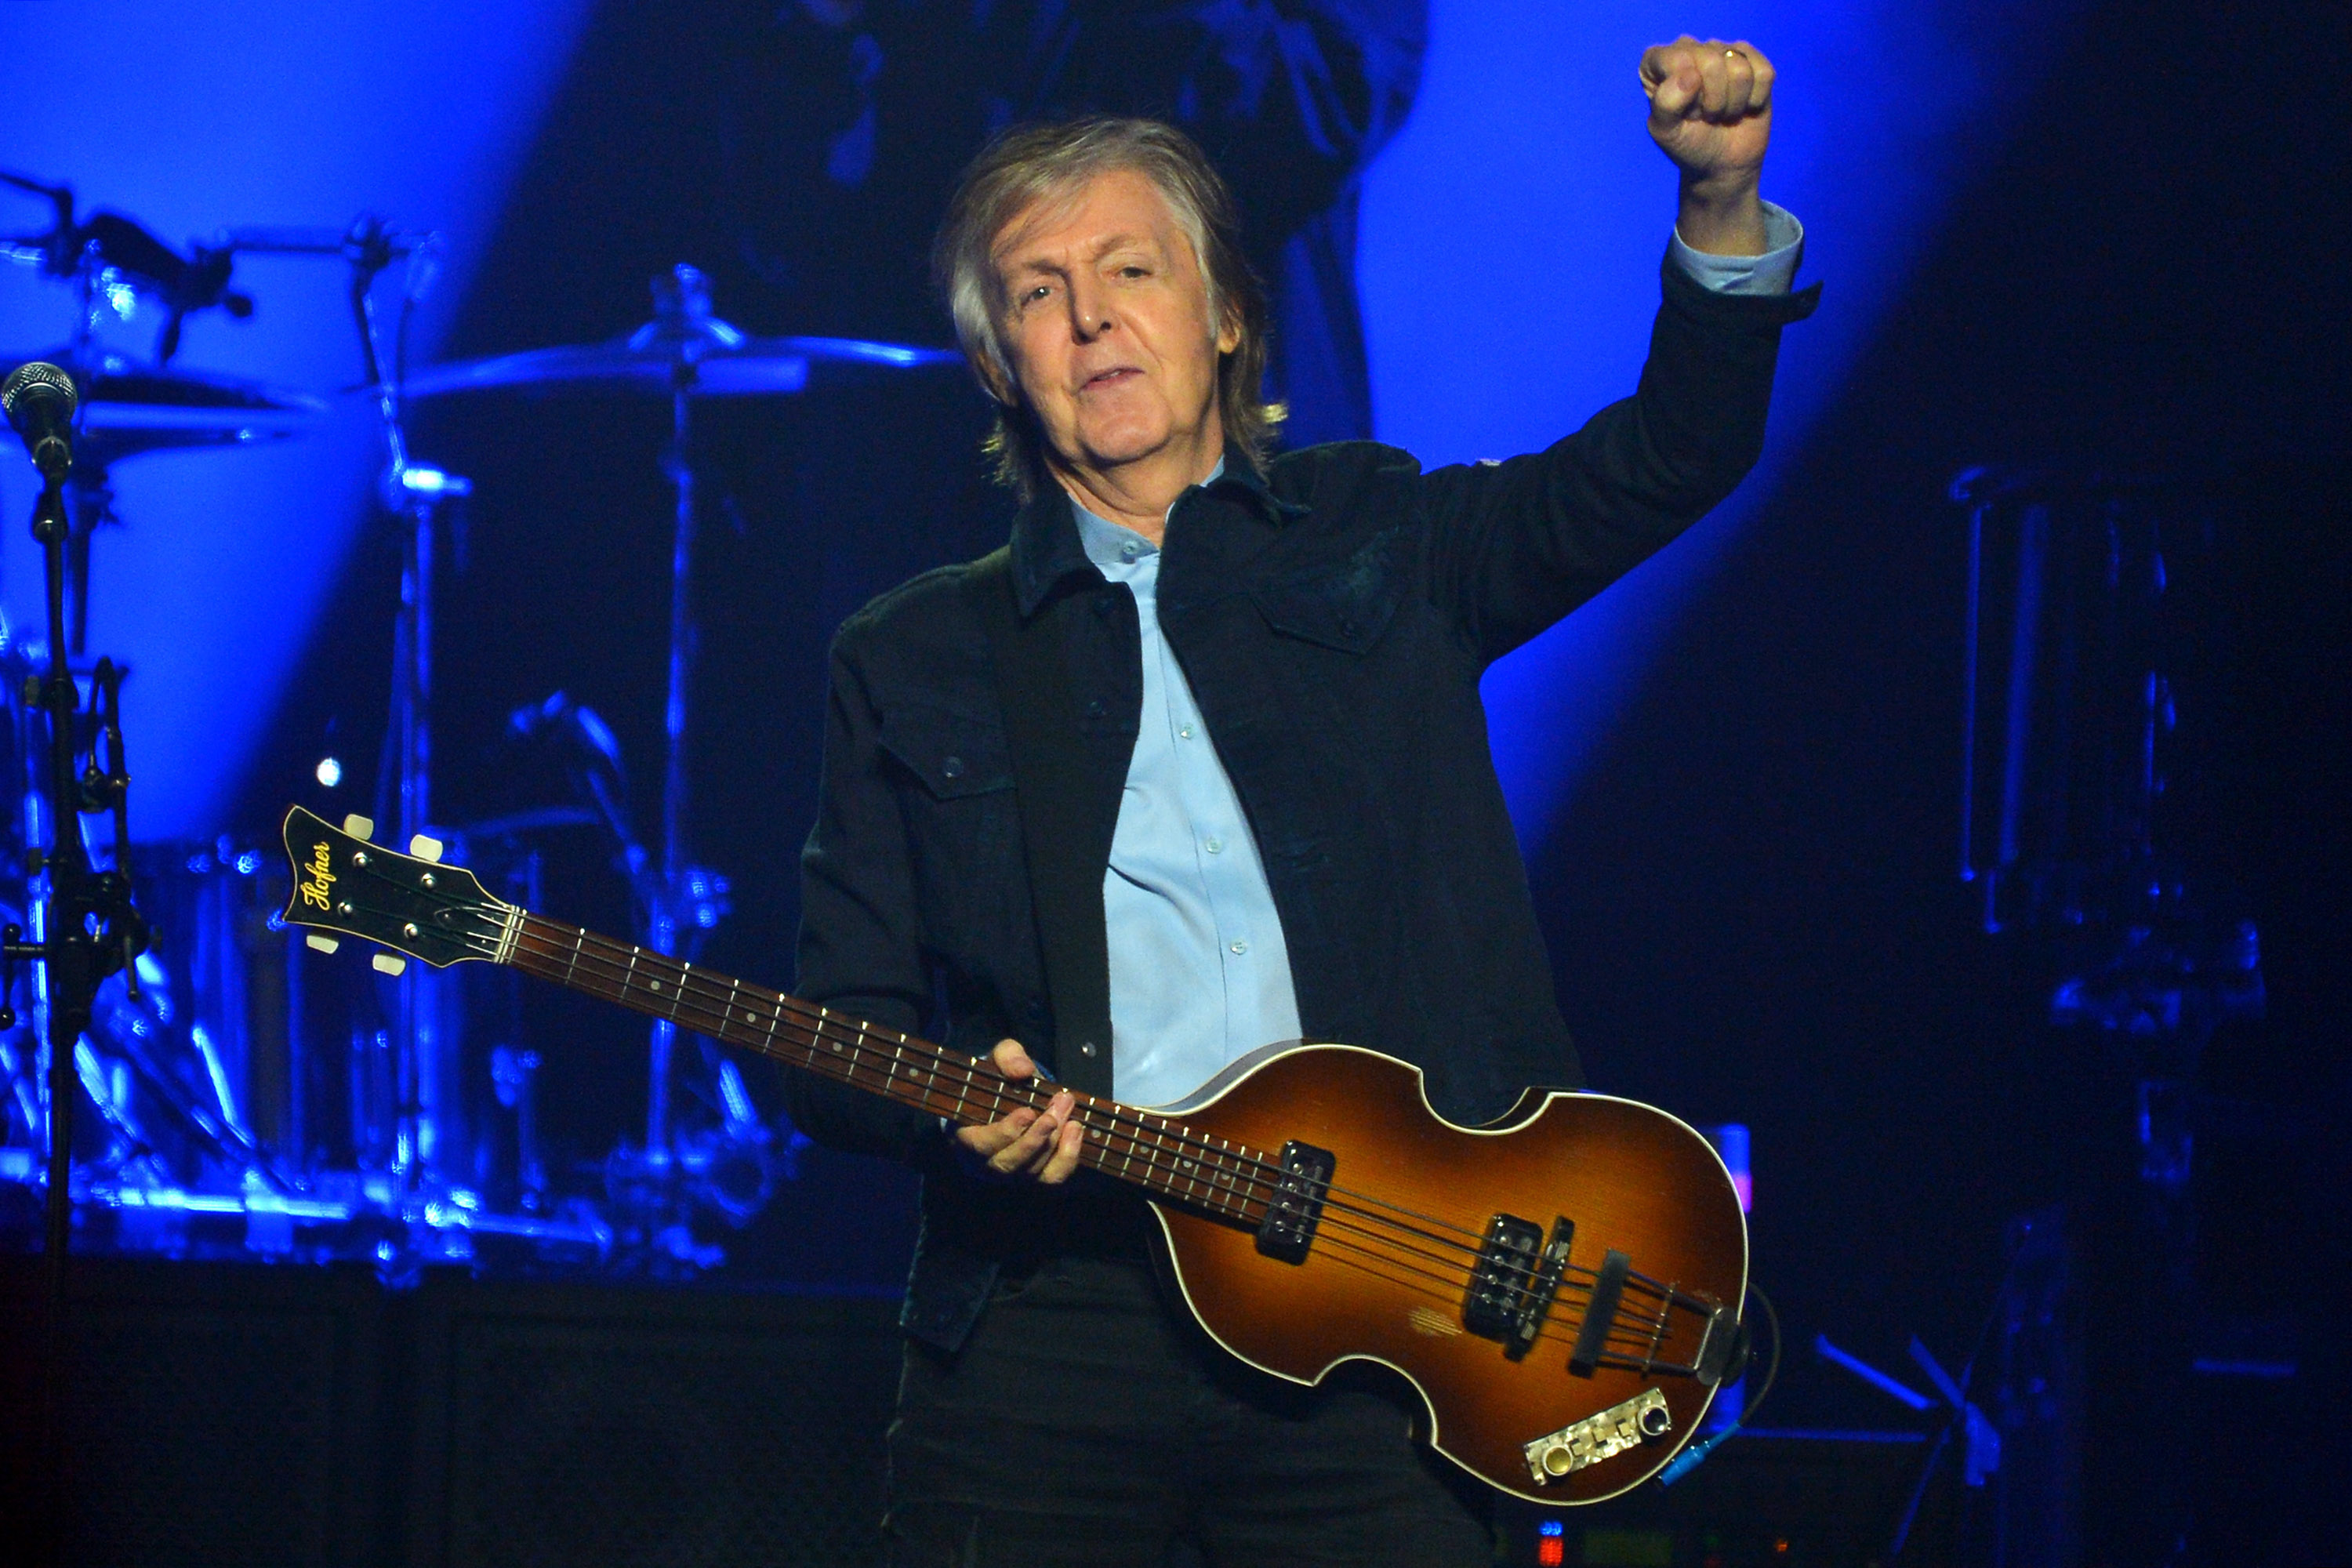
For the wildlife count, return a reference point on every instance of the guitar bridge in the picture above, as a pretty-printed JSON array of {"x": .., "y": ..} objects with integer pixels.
[{"x": 1292, "y": 1213}]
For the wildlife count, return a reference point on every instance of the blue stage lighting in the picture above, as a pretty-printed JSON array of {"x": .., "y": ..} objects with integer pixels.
[
  {"x": 1510, "y": 242},
  {"x": 287, "y": 115}
]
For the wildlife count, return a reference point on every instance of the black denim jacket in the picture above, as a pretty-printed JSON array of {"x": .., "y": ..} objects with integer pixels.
[{"x": 1333, "y": 617}]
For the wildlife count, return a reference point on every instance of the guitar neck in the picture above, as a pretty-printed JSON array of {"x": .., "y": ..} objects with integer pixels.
[{"x": 1147, "y": 1150}]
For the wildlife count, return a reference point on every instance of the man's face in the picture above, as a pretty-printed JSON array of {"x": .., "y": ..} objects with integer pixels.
[{"x": 1108, "y": 326}]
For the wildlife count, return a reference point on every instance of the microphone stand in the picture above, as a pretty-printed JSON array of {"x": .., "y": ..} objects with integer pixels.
[{"x": 86, "y": 930}]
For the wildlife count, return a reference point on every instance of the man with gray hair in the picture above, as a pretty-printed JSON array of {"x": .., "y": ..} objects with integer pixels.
[{"x": 1195, "y": 764}]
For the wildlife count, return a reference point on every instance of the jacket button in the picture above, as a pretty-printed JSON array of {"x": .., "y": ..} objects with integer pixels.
[
  {"x": 1095, "y": 709},
  {"x": 952, "y": 767},
  {"x": 1087, "y": 1048}
]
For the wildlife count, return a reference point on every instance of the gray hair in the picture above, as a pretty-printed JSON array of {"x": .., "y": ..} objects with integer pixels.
[{"x": 1029, "y": 163}]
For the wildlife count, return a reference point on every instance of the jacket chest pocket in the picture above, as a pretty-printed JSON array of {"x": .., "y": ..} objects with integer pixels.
[
  {"x": 1345, "y": 604},
  {"x": 951, "y": 755},
  {"x": 956, "y": 791}
]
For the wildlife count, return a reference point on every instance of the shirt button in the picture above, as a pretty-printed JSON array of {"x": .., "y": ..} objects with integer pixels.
[
  {"x": 1130, "y": 551},
  {"x": 1185, "y": 733},
  {"x": 1240, "y": 947},
  {"x": 1215, "y": 845}
]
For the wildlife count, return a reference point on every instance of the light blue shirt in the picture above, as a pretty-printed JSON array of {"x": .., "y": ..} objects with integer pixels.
[{"x": 1199, "y": 973}]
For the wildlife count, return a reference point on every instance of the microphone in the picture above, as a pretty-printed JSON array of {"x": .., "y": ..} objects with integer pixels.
[{"x": 40, "y": 399}]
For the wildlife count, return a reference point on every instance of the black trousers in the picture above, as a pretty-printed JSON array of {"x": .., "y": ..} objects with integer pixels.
[{"x": 1087, "y": 1421}]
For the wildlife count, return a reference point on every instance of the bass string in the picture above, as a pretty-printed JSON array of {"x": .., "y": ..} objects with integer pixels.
[
  {"x": 821, "y": 1025},
  {"x": 1219, "y": 1179},
  {"x": 1466, "y": 1238},
  {"x": 1624, "y": 1340},
  {"x": 621, "y": 976},
  {"x": 1526, "y": 1272},
  {"x": 1625, "y": 1334},
  {"x": 719, "y": 1005},
  {"x": 1233, "y": 1161},
  {"x": 607, "y": 971},
  {"x": 1226, "y": 1170},
  {"x": 1644, "y": 1325},
  {"x": 1224, "y": 1186},
  {"x": 1158, "y": 1130}
]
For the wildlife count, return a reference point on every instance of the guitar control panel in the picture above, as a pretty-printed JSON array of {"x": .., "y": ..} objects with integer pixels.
[{"x": 1597, "y": 1437}]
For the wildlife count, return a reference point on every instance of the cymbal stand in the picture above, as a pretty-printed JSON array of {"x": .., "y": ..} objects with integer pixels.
[
  {"x": 662, "y": 921},
  {"x": 427, "y": 1085},
  {"x": 683, "y": 901}
]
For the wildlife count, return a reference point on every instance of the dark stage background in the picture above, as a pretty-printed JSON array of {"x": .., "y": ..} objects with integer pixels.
[{"x": 1750, "y": 888}]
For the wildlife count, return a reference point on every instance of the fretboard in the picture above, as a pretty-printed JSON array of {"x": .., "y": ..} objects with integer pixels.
[{"x": 1153, "y": 1151}]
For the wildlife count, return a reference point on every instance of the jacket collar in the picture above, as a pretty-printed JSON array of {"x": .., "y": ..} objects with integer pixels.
[
  {"x": 1045, "y": 546},
  {"x": 1243, "y": 480}
]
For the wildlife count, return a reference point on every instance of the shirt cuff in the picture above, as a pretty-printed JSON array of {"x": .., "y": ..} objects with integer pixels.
[{"x": 1774, "y": 272}]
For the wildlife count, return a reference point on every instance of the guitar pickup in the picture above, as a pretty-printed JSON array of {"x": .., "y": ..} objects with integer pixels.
[
  {"x": 1297, "y": 1207},
  {"x": 1515, "y": 1280},
  {"x": 1542, "y": 1289}
]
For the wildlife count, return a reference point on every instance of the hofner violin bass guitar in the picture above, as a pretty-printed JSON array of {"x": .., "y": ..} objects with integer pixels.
[{"x": 1562, "y": 1287}]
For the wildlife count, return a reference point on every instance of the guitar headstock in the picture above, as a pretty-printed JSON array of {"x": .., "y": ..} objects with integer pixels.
[{"x": 411, "y": 904}]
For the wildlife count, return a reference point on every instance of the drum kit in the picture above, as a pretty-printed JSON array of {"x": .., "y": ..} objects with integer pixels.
[{"x": 230, "y": 1106}]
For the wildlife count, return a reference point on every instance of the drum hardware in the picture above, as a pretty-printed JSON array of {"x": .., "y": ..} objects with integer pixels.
[
  {"x": 172, "y": 1092},
  {"x": 211, "y": 1129},
  {"x": 685, "y": 349},
  {"x": 115, "y": 259},
  {"x": 686, "y": 353},
  {"x": 127, "y": 408}
]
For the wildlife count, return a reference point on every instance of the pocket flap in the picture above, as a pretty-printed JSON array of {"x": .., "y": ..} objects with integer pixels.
[
  {"x": 952, "y": 754},
  {"x": 1344, "y": 605}
]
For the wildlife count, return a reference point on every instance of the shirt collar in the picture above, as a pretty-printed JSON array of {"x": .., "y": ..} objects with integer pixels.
[{"x": 1108, "y": 543}]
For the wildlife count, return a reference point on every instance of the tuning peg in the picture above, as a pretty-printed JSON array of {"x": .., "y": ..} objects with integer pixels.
[
  {"x": 319, "y": 941},
  {"x": 390, "y": 964},
  {"x": 426, "y": 848},
  {"x": 360, "y": 826}
]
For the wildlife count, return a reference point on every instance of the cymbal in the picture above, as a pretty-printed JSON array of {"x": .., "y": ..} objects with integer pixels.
[
  {"x": 129, "y": 407},
  {"x": 685, "y": 348},
  {"x": 745, "y": 367}
]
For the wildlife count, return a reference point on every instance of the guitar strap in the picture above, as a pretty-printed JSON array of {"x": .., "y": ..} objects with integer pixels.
[{"x": 1050, "y": 782}]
